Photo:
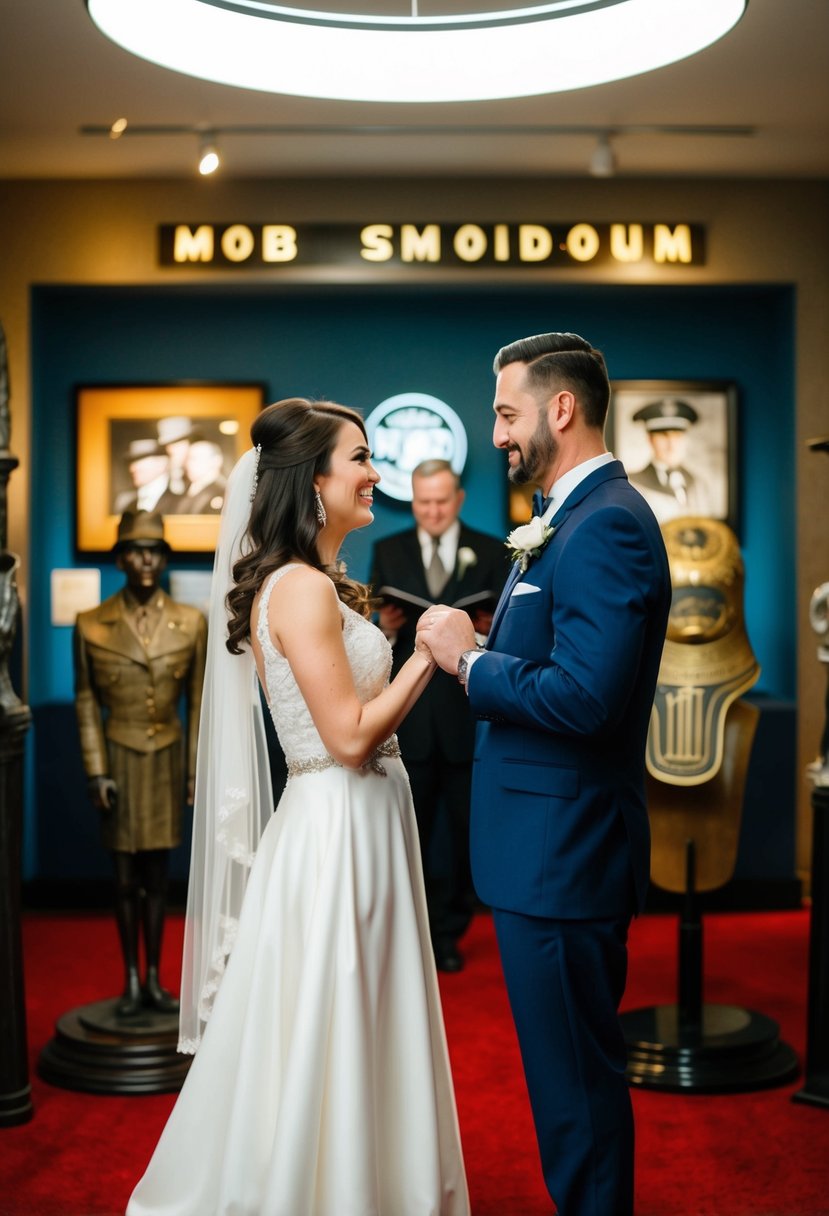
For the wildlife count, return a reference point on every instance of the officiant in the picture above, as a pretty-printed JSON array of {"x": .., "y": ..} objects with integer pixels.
[{"x": 440, "y": 560}]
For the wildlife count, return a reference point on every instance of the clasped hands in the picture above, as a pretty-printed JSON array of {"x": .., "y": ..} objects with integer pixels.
[{"x": 446, "y": 633}]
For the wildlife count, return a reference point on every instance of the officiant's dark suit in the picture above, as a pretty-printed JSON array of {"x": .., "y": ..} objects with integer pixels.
[{"x": 437, "y": 736}]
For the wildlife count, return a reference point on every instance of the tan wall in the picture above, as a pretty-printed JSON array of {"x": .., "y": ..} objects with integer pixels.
[{"x": 758, "y": 232}]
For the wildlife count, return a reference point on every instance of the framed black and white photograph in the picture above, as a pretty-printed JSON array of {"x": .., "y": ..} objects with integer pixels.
[
  {"x": 678, "y": 442},
  {"x": 160, "y": 447}
]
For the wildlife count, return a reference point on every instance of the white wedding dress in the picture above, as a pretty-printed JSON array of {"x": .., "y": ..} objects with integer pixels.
[{"x": 322, "y": 1085}]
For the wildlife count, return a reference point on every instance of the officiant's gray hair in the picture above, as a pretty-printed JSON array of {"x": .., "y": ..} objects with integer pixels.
[{"x": 428, "y": 468}]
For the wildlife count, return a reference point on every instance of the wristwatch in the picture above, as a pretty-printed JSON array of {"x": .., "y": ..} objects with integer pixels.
[{"x": 463, "y": 664}]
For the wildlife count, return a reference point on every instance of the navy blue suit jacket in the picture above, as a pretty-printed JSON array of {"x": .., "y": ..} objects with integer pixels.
[{"x": 563, "y": 697}]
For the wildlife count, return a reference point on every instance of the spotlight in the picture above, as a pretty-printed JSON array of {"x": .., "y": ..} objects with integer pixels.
[
  {"x": 209, "y": 160},
  {"x": 118, "y": 128},
  {"x": 603, "y": 160}
]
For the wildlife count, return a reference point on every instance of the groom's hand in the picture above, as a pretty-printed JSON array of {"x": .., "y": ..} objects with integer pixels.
[{"x": 448, "y": 632}]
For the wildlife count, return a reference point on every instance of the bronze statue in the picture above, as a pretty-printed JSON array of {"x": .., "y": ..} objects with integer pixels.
[{"x": 135, "y": 655}]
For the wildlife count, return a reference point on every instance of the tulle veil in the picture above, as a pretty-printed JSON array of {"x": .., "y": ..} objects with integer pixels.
[{"x": 233, "y": 798}]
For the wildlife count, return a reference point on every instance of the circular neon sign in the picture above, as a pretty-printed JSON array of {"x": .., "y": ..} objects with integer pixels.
[{"x": 407, "y": 429}]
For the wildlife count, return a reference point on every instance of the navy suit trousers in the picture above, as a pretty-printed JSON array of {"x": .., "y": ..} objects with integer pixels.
[{"x": 565, "y": 979}]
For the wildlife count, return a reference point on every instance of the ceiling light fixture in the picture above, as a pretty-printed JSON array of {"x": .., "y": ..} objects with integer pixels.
[
  {"x": 603, "y": 160},
  {"x": 602, "y": 163},
  {"x": 520, "y": 52},
  {"x": 209, "y": 159}
]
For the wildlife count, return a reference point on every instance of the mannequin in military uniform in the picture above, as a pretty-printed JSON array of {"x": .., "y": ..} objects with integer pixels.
[{"x": 135, "y": 655}]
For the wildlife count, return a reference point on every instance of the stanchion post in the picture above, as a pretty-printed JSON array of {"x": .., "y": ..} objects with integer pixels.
[
  {"x": 690, "y": 951},
  {"x": 815, "y": 1089}
]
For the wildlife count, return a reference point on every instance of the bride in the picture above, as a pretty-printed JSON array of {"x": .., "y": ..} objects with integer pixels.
[{"x": 322, "y": 1084}]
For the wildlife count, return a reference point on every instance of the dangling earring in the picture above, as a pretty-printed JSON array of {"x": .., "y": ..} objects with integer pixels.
[{"x": 319, "y": 509}]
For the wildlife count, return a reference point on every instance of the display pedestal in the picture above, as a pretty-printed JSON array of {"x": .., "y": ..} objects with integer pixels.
[
  {"x": 97, "y": 1052},
  {"x": 15, "y": 1089},
  {"x": 692, "y": 1047},
  {"x": 815, "y": 1089}
]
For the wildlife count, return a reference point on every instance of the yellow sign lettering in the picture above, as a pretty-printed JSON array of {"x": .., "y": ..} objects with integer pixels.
[
  {"x": 376, "y": 242},
  {"x": 582, "y": 242},
  {"x": 237, "y": 243},
  {"x": 535, "y": 243},
  {"x": 278, "y": 243},
  {"x": 419, "y": 246},
  {"x": 672, "y": 245},
  {"x": 626, "y": 242},
  {"x": 193, "y": 246},
  {"x": 470, "y": 243},
  {"x": 500, "y": 243}
]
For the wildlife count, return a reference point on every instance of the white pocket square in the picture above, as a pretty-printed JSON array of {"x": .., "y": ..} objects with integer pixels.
[{"x": 523, "y": 589}]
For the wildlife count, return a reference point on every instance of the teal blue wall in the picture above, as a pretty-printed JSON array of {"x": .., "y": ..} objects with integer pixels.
[{"x": 361, "y": 345}]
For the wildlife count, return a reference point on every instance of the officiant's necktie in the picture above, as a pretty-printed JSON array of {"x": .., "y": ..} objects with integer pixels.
[{"x": 435, "y": 571}]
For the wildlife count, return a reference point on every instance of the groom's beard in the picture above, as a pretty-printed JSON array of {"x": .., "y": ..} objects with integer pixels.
[{"x": 541, "y": 454}]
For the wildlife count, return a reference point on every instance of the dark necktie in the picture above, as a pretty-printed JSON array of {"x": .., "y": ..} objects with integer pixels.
[
  {"x": 142, "y": 624},
  {"x": 676, "y": 481},
  {"x": 540, "y": 504},
  {"x": 435, "y": 571}
]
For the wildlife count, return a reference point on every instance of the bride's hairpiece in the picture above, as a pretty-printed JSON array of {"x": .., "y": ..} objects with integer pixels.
[{"x": 255, "y": 472}]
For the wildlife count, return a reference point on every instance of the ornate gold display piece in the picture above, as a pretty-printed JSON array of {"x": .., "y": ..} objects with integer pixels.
[{"x": 707, "y": 661}]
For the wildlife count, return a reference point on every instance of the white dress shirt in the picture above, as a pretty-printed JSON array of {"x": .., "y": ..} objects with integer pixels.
[{"x": 447, "y": 547}]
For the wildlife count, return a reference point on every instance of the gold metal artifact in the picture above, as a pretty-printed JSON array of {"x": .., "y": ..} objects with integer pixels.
[
  {"x": 700, "y": 737},
  {"x": 707, "y": 661}
]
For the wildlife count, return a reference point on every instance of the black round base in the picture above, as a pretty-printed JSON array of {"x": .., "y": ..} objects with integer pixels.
[
  {"x": 730, "y": 1050},
  {"x": 16, "y": 1107},
  {"x": 96, "y": 1051}
]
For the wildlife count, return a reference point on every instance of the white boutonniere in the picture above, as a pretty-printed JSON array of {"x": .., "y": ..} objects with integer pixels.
[
  {"x": 526, "y": 542},
  {"x": 466, "y": 557}
]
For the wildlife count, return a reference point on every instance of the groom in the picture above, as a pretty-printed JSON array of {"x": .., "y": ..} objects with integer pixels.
[{"x": 563, "y": 693}]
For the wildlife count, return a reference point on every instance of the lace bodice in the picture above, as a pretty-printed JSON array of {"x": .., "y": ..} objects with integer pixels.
[{"x": 369, "y": 655}]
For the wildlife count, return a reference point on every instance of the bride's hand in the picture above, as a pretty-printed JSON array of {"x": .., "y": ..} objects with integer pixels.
[{"x": 423, "y": 650}]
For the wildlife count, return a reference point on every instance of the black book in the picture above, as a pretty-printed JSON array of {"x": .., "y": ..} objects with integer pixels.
[{"x": 414, "y": 605}]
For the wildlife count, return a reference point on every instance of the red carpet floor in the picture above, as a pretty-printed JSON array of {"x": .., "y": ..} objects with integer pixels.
[{"x": 755, "y": 1154}]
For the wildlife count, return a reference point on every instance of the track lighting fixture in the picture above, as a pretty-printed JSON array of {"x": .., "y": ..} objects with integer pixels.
[
  {"x": 603, "y": 160},
  {"x": 209, "y": 159},
  {"x": 602, "y": 163}
]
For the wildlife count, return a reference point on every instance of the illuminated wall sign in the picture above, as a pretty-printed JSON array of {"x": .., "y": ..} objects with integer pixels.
[
  {"x": 410, "y": 427},
  {"x": 247, "y": 246}
]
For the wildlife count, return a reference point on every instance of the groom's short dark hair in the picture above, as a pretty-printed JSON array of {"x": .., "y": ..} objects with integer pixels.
[{"x": 563, "y": 360}]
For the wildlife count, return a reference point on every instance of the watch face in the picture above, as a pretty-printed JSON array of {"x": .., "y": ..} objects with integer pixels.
[{"x": 463, "y": 667}]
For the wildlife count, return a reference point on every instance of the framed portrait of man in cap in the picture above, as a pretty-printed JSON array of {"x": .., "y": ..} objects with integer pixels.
[
  {"x": 677, "y": 441},
  {"x": 165, "y": 448}
]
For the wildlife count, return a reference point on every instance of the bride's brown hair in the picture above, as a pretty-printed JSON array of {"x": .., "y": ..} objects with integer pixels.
[{"x": 297, "y": 438}]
